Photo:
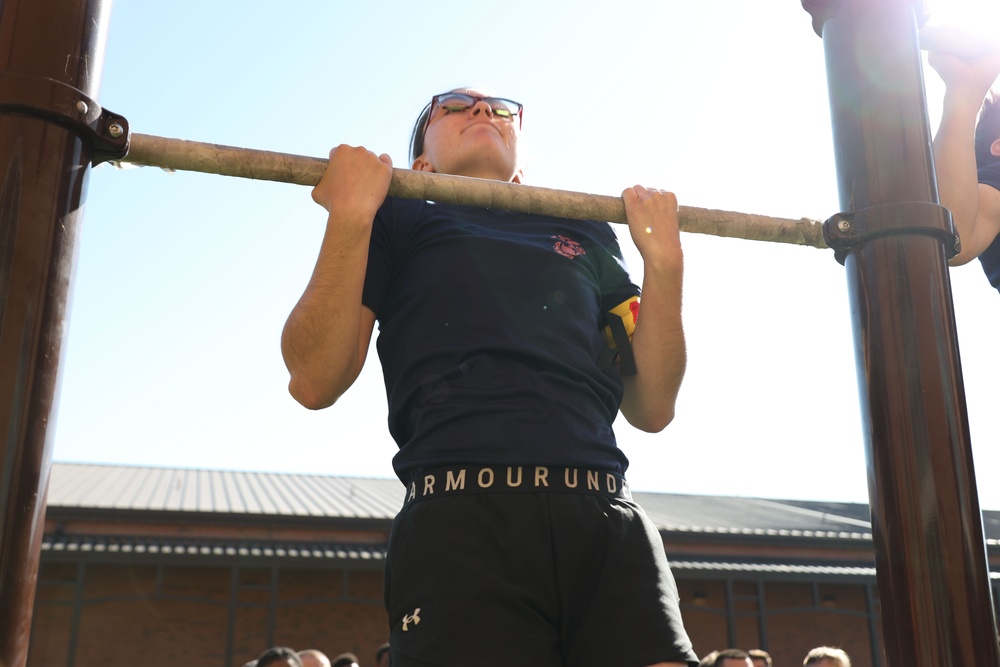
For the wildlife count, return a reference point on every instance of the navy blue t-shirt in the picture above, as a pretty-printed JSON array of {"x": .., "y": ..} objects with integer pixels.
[
  {"x": 990, "y": 259},
  {"x": 490, "y": 335}
]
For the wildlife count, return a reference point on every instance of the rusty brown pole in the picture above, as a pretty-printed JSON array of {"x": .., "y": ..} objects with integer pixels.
[
  {"x": 892, "y": 238},
  {"x": 50, "y": 66}
]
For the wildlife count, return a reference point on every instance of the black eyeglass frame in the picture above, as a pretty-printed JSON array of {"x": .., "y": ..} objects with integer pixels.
[
  {"x": 511, "y": 106},
  {"x": 417, "y": 139}
]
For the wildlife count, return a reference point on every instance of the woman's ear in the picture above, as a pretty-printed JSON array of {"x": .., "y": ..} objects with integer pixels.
[{"x": 420, "y": 164}]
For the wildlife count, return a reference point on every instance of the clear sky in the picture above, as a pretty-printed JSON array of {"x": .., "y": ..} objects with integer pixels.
[{"x": 184, "y": 281}]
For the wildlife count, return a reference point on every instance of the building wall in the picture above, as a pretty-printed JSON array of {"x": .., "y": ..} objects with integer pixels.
[
  {"x": 111, "y": 615},
  {"x": 786, "y": 619},
  {"x": 216, "y": 616}
]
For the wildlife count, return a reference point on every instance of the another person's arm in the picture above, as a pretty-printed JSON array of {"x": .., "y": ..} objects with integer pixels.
[
  {"x": 658, "y": 339},
  {"x": 325, "y": 340},
  {"x": 967, "y": 72}
]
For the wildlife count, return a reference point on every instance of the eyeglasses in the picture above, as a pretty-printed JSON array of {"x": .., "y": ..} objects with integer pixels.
[{"x": 456, "y": 102}]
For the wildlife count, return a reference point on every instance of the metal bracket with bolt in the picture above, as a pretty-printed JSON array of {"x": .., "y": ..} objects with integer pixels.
[
  {"x": 845, "y": 231},
  {"x": 59, "y": 103}
]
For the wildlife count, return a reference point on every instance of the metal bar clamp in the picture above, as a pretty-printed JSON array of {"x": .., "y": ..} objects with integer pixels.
[
  {"x": 845, "y": 231},
  {"x": 60, "y": 103}
]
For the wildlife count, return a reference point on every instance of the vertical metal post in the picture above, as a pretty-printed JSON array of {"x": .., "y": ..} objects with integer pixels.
[
  {"x": 761, "y": 617},
  {"x": 234, "y": 601},
  {"x": 44, "y": 166},
  {"x": 930, "y": 553},
  {"x": 871, "y": 613},
  {"x": 730, "y": 614}
]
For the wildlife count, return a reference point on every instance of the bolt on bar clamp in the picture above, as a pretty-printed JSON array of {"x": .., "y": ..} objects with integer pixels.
[
  {"x": 845, "y": 231},
  {"x": 60, "y": 103}
]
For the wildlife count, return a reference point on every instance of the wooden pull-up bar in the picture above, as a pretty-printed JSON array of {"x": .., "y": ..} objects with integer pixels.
[{"x": 181, "y": 155}]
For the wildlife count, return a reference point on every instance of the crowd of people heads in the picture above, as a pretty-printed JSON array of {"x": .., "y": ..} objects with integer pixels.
[
  {"x": 821, "y": 656},
  {"x": 283, "y": 656}
]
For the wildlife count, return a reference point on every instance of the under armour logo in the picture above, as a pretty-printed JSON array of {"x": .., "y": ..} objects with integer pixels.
[{"x": 411, "y": 618}]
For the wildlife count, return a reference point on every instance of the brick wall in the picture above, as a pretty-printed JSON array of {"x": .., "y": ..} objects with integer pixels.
[
  {"x": 785, "y": 619},
  {"x": 170, "y": 615},
  {"x": 106, "y": 615}
]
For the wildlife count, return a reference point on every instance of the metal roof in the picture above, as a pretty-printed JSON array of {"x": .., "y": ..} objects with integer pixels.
[
  {"x": 153, "y": 547},
  {"x": 114, "y": 487},
  {"x": 76, "y": 545},
  {"x": 748, "y": 516},
  {"x": 680, "y": 565},
  {"x": 151, "y": 489},
  {"x": 213, "y": 548}
]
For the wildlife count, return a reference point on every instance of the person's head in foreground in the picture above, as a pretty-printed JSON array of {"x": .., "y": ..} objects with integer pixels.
[
  {"x": 465, "y": 132},
  {"x": 279, "y": 656},
  {"x": 826, "y": 656}
]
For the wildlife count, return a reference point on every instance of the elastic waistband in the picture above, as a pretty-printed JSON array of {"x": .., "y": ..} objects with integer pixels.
[{"x": 453, "y": 480}]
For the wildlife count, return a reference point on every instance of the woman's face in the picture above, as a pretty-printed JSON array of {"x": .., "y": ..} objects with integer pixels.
[{"x": 473, "y": 142}]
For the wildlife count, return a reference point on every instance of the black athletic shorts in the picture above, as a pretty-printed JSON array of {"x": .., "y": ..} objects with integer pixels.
[{"x": 537, "y": 579}]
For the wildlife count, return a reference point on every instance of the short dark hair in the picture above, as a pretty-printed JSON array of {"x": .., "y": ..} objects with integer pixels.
[
  {"x": 732, "y": 654},
  {"x": 709, "y": 660},
  {"x": 988, "y": 129},
  {"x": 345, "y": 660},
  {"x": 419, "y": 130},
  {"x": 830, "y": 653},
  {"x": 384, "y": 648},
  {"x": 276, "y": 653}
]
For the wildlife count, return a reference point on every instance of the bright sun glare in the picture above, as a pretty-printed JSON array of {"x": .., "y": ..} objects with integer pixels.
[{"x": 981, "y": 17}]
